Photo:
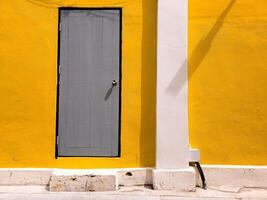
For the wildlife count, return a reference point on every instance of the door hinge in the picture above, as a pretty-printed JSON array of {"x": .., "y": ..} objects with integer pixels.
[
  {"x": 60, "y": 26},
  {"x": 59, "y": 69},
  {"x": 57, "y": 140}
]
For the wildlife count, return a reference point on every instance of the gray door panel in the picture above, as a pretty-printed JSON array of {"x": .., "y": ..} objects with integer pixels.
[{"x": 88, "y": 117}]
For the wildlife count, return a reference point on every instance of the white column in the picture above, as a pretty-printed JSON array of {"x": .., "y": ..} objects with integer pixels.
[{"x": 172, "y": 146}]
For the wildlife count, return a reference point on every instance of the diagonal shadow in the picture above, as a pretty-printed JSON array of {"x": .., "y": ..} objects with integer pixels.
[
  {"x": 198, "y": 54},
  {"x": 108, "y": 93}
]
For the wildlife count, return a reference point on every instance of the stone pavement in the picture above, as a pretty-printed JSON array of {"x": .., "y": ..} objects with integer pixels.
[{"x": 132, "y": 193}]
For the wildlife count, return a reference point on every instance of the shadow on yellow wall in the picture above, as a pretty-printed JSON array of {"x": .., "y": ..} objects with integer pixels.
[
  {"x": 227, "y": 81},
  {"x": 148, "y": 84},
  {"x": 203, "y": 47},
  {"x": 199, "y": 53}
]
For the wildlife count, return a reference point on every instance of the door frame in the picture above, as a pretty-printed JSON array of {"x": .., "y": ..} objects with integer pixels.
[{"x": 58, "y": 77}]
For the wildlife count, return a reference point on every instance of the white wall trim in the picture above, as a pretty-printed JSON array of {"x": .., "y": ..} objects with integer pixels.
[{"x": 172, "y": 146}]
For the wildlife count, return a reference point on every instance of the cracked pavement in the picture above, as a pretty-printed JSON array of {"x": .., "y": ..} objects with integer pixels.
[{"x": 131, "y": 193}]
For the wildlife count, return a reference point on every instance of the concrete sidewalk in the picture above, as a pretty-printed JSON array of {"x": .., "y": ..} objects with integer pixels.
[{"x": 132, "y": 193}]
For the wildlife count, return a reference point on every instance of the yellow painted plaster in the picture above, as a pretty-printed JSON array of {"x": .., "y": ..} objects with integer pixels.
[
  {"x": 228, "y": 80},
  {"x": 28, "y": 64}
]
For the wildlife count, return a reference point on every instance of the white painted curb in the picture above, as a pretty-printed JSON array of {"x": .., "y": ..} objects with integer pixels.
[
  {"x": 23, "y": 176},
  {"x": 178, "y": 180},
  {"x": 234, "y": 176},
  {"x": 216, "y": 175}
]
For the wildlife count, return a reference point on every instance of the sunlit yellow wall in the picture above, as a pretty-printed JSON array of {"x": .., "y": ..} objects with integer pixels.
[
  {"x": 28, "y": 64},
  {"x": 228, "y": 80}
]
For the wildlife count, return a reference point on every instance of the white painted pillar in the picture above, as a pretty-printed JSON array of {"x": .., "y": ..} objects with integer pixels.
[
  {"x": 172, "y": 89},
  {"x": 172, "y": 146}
]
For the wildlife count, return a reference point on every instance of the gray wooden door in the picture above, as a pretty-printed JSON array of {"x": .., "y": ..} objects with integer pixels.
[{"x": 89, "y": 83}]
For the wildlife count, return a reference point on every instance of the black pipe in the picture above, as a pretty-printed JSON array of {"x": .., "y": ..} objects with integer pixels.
[{"x": 201, "y": 173}]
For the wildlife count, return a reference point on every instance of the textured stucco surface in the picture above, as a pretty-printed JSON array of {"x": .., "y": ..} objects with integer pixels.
[
  {"x": 228, "y": 80},
  {"x": 28, "y": 83}
]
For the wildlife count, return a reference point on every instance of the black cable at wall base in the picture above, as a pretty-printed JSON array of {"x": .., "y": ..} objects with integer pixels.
[{"x": 201, "y": 173}]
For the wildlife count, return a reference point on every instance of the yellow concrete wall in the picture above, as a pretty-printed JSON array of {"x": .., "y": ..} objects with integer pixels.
[
  {"x": 228, "y": 80},
  {"x": 28, "y": 64}
]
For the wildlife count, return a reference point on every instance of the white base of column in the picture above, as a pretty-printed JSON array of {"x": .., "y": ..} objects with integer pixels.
[{"x": 181, "y": 180}]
